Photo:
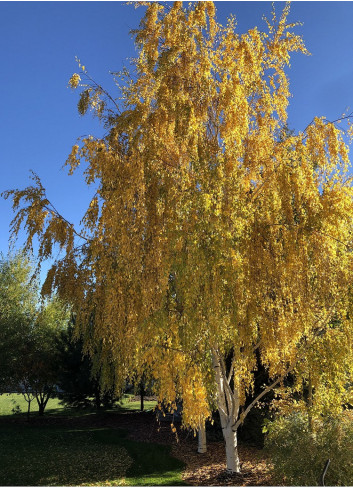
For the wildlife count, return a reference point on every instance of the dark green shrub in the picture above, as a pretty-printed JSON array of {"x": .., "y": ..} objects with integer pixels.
[
  {"x": 78, "y": 388},
  {"x": 299, "y": 456}
]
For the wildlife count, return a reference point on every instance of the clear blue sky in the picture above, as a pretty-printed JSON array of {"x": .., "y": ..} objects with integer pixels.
[{"x": 39, "y": 41}]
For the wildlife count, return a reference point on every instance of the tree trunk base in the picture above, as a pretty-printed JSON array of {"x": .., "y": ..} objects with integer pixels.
[
  {"x": 202, "y": 444},
  {"x": 233, "y": 463}
]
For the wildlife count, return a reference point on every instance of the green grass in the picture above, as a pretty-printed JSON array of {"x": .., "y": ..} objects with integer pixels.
[
  {"x": 9, "y": 401},
  {"x": 52, "y": 456},
  {"x": 127, "y": 403},
  {"x": 152, "y": 464}
]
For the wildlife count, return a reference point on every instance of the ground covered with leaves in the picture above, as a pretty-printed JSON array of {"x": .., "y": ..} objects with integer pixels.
[
  {"x": 114, "y": 449},
  {"x": 208, "y": 469}
]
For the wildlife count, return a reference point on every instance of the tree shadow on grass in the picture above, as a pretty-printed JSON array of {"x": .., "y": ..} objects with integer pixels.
[
  {"x": 152, "y": 463},
  {"x": 47, "y": 456}
]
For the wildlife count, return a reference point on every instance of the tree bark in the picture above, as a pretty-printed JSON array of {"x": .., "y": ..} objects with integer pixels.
[
  {"x": 28, "y": 409},
  {"x": 202, "y": 444},
  {"x": 232, "y": 457},
  {"x": 42, "y": 401},
  {"x": 97, "y": 398},
  {"x": 228, "y": 408},
  {"x": 142, "y": 394},
  {"x": 310, "y": 405},
  {"x": 28, "y": 398},
  {"x": 40, "y": 404}
]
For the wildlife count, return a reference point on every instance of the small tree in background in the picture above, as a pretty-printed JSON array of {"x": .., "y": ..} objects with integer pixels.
[
  {"x": 29, "y": 329},
  {"x": 44, "y": 365},
  {"x": 78, "y": 386},
  {"x": 18, "y": 309},
  {"x": 35, "y": 372}
]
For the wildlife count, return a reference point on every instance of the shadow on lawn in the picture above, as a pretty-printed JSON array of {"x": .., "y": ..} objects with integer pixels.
[
  {"x": 152, "y": 463},
  {"x": 52, "y": 456}
]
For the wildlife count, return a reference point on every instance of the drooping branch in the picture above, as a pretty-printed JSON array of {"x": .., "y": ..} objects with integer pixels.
[
  {"x": 53, "y": 210},
  {"x": 282, "y": 376}
]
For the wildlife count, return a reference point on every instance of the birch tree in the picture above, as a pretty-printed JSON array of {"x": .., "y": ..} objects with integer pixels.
[{"x": 212, "y": 231}]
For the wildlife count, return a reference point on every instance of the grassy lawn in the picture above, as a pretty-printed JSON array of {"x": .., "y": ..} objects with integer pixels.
[
  {"x": 130, "y": 404},
  {"x": 52, "y": 456},
  {"x": 47, "y": 455},
  {"x": 8, "y": 402}
]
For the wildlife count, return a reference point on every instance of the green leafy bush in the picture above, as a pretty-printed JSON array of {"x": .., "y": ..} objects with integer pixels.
[
  {"x": 299, "y": 456},
  {"x": 16, "y": 407}
]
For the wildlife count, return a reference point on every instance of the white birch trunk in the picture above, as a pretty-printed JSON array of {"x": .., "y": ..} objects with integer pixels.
[
  {"x": 228, "y": 407},
  {"x": 230, "y": 437},
  {"x": 202, "y": 446}
]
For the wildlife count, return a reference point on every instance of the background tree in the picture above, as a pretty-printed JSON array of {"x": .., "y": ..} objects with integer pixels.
[
  {"x": 78, "y": 387},
  {"x": 28, "y": 333},
  {"x": 41, "y": 364},
  {"x": 212, "y": 232},
  {"x": 35, "y": 370},
  {"x": 18, "y": 302}
]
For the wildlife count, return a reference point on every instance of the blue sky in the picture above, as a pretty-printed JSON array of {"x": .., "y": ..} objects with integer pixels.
[{"x": 39, "y": 41}]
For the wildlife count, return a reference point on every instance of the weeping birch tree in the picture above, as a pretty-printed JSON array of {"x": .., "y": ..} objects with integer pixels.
[{"x": 213, "y": 234}]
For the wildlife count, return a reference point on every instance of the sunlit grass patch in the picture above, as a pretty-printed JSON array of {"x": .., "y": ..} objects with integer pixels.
[
  {"x": 129, "y": 402},
  {"x": 12, "y": 403},
  {"x": 16, "y": 402}
]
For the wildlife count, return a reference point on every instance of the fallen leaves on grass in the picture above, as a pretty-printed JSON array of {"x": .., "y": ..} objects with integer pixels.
[
  {"x": 109, "y": 469},
  {"x": 209, "y": 469},
  {"x": 61, "y": 458}
]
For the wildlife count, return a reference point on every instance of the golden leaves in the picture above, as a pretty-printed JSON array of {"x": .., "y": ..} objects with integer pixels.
[
  {"x": 74, "y": 81},
  {"x": 211, "y": 222}
]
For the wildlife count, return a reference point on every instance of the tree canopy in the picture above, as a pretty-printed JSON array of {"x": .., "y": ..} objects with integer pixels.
[
  {"x": 18, "y": 302},
  {"x": 29, "y": 329},
  {"x": 213, "y": 232}
]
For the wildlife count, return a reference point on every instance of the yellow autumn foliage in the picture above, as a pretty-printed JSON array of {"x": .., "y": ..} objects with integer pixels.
[{"x": 212, "y": 226}]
